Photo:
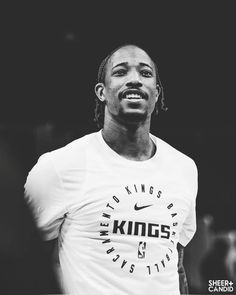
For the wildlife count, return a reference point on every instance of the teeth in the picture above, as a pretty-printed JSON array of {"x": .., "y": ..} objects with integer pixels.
[{"x": 130, "y": 96}]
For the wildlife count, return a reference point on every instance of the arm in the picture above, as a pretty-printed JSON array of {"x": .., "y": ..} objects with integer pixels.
[
  {"x": 45, "y": 196},
  {"x": 51, "y": 249},
  {"x": 183, "y": 284},
  {"x": 189, "y": 225},
  {"x": 51, "y": 252}
]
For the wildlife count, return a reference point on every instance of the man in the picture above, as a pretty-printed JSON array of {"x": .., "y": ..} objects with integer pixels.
[{"x": 120, "y": 201}]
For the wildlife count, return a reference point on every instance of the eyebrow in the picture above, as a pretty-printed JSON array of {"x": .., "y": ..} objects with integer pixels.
[{"x": 126, "y": 64}]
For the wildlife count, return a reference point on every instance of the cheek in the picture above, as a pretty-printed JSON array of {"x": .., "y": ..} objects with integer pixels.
[
  {"x": 151, "y": 86},
  {"x": 112, "y": 92},
  {"x": 154, "y": 95},
  {"x": 112, "y": 88},
  {"x": 111, "y": 97}
]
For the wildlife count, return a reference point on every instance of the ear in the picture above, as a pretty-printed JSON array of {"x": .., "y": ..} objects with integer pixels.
[
  {"x": 158, "y": 91},
  {"x": 99, "y": 90}
]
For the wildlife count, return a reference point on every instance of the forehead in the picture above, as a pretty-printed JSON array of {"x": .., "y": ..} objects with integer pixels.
[{"x": 131, "y": 55}]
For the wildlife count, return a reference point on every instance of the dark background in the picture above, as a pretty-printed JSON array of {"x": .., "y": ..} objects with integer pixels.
[
  {"x": 51, "y": 54},
  {"x": 54, "y": 51}
]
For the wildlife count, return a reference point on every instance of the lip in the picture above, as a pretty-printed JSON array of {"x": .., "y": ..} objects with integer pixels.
[{"x": 133, "y": 94}]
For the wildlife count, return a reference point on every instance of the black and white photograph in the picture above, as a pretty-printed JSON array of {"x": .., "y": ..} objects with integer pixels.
[{"x": 118, "y": 148}]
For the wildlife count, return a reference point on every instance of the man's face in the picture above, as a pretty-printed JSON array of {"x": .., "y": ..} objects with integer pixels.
[{"x": 130, "y": 89}]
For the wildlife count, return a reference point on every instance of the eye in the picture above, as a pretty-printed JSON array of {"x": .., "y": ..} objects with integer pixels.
[
  {"x": 146, "y": 73},
  {"x": 120, "y": 72}
]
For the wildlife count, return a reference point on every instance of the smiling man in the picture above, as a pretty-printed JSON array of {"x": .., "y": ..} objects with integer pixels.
[{"x": 120, "y": 203}]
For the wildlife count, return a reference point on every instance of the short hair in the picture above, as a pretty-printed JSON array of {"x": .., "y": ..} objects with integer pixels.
[{"x": 100, "y": 105}]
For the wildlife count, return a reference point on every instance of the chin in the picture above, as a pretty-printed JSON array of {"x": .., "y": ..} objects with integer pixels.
[{"x": 133, "y": 117}]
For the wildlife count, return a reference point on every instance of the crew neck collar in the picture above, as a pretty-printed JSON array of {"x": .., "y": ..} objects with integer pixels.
[{"x": 120, "y": 158}]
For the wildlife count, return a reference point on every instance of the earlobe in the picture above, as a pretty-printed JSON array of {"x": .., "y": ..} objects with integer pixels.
[{"x": 99, "y": 90}]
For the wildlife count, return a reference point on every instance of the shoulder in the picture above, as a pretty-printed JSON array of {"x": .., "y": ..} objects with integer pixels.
[
  {"x": 177, "y": 166},
  {"x": 51, "y": 164},
  {"x": 174, "y": 157},
  {"x": 72, "y": 148},
  {"x": 71, "y": 155}
]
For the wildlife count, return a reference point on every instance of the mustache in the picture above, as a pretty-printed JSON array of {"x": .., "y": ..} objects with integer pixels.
[{"x": 136, "y": 91}]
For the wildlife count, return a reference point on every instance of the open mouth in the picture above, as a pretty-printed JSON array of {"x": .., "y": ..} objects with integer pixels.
[{"x": 133, "y": 94}]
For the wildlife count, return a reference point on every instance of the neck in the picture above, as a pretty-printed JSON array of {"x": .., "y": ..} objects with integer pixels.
[{"x": 131, "y": 141}]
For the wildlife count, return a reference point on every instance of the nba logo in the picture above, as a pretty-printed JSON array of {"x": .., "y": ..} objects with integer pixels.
[{"x": 141, "y": 250}]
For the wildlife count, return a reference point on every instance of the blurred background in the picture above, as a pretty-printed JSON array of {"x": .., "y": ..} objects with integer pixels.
[{"x": 52, "y": 54}]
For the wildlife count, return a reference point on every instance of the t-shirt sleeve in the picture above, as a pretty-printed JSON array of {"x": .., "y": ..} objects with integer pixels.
[
  {"x": 45, "y": 197},
  {"x": 189, "y": 225}
]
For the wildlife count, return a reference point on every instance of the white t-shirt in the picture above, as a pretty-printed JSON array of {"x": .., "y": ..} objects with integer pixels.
[{"x": 117, "y": 221}]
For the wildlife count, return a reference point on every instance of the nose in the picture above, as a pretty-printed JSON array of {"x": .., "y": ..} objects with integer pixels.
[{"x": 134, "y": 80}]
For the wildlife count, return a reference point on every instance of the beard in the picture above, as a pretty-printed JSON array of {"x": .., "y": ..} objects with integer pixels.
[
  {"x": 132, "y": 117},
  {"x": 132, "y": 114}
]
